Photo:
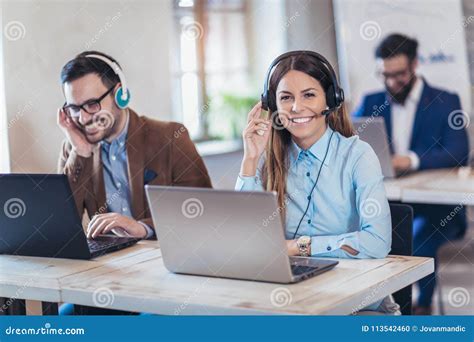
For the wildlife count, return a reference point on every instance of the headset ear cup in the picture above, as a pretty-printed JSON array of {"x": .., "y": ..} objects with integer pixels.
[
  {"x": 264, "y": 101},
  {"x": 271, "y": 100},
  {"x": 340, "y": 96},
  {"x": 122, "y": 103},
  {"x": 331, "y": 100}
]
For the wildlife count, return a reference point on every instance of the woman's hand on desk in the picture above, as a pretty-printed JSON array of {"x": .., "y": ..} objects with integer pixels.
[
  {"x": 255, "y": 137},
  {"x": 106, "y": 223},
  {"x": 293, "y": 250}
]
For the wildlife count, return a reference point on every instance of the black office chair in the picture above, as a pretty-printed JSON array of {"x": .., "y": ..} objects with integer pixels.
[{"x": 402, "y": 244}]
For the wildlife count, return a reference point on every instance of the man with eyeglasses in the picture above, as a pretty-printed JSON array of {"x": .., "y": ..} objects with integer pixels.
[
  {"x": 111, "y": 153},
  {"x": 423, "y": 134}
]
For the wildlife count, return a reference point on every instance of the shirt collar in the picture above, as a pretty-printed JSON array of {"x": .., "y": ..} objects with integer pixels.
[
  {"x": 415, "y": 93},
  {"x": 317, "y": 150},
  {"x": 122, "y": 137}
]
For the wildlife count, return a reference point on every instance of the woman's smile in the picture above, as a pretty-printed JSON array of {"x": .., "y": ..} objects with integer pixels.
[{"x": 299, "y": 121}]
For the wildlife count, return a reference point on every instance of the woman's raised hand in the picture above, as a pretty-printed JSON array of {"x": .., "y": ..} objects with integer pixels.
[{"x": 255, "y": 137}]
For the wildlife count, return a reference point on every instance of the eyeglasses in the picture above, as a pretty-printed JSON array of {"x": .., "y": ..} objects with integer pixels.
[
  {"x": 90, "y": 106},
  {"x": 397, "y": 75}
]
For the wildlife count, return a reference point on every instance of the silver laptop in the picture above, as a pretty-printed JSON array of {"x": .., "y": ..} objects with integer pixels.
[
  {"x": 372, "y": 130},
  {"x": 226, "y": 234}
]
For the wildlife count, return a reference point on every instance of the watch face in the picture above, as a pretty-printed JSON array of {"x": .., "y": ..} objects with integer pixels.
[{"x": 304, "y": 240}]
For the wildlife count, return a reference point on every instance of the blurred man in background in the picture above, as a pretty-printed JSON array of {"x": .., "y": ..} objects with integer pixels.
[{"x": 421, "y": 136}]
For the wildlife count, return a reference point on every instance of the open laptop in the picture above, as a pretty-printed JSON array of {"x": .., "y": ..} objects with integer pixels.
[
  {"x": 38, "y": 217},
  {"x": 372, "y": 130},
  {"x": 226, "y": 234}
]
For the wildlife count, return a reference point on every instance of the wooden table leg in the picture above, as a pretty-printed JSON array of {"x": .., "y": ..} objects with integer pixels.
[{"x": 34, "y": 308}]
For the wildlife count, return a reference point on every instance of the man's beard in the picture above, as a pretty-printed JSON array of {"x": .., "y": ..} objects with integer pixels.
[
  {"x": 104, "y": 124},
  {"x": 401, "y": 96},
  {"x": 102, "y": 135}
]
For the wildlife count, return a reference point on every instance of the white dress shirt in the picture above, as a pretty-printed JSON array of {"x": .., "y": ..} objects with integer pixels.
[{"x": 403, "y": 119}]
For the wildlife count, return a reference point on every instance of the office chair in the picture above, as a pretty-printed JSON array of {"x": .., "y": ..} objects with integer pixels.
[{"x": 402, "y": 244}]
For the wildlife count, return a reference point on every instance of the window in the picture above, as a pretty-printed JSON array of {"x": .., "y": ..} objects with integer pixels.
[
  {"x": 4, "y": 149},
  {"x": 212, "y": 58}
]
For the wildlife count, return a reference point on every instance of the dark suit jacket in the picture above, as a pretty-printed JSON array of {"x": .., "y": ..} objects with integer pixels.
[
  {"x": 437, "y": 143},
  {"x": 159, "y": 153}
]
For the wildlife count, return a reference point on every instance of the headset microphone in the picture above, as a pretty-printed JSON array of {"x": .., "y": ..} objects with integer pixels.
[{"x": 326, "y": 111}]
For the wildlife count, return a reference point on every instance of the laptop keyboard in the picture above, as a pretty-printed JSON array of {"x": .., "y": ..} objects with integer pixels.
[
  {"x": 99, "y": 245},
  {"x": 298, "y": 270}
]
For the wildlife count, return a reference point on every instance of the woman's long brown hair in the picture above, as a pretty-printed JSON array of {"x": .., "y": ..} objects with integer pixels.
[{"x": 275, "y": 169}]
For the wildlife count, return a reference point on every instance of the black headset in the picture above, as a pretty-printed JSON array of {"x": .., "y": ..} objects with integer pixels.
[{"x": 334, "y": 95}]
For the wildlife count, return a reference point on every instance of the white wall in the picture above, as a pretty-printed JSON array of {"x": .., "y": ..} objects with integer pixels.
[
  {"x": 268, "y": 26},
  {"x": 311, "y": 27},
  {"x": 136, "y": 33}
]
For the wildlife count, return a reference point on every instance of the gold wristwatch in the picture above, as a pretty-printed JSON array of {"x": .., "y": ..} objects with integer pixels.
[{"x": 303, "y": 244}]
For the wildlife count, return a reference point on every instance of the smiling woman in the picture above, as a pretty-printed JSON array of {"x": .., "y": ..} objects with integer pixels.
[{"x": 328, "y": 182}]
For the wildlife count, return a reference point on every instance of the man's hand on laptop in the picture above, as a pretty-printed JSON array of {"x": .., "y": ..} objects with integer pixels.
[
  {"x": 118, "y": 224},
  {"x": 401, "y": 164}
]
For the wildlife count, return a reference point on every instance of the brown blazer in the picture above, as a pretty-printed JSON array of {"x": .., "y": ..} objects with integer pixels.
[{"x": 159, "y": 153}]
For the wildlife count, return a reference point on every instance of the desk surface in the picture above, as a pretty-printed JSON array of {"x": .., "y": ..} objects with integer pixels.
[
  {"x": 135, "y": 279},
  {"x": 445, "y": 186}
]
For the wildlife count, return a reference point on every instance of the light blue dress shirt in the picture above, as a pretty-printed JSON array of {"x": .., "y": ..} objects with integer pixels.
[
  {"x": 116, "y": 181},
  {"x": 348, "y": 206}
]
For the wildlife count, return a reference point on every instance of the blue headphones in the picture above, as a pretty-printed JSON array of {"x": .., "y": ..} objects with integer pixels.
[
  {"x": 334, "y": 95},
  {"x": 122, "y": 95}
]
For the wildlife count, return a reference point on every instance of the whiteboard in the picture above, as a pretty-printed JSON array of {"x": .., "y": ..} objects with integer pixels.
[{"x": 438, "y": 25}]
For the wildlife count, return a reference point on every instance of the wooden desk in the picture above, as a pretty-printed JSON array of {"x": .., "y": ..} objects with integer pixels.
[
  {"x": 445, "y": 186},
  {"x": 38, "y": 279},
  {"x": 135, "y": 279}
]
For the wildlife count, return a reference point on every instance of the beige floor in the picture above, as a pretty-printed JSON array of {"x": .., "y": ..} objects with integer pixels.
[{"x": 456, "y": 275}]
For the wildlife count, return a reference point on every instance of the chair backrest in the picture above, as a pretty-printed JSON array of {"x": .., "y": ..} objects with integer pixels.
[{"x": 402, "y": 244}]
